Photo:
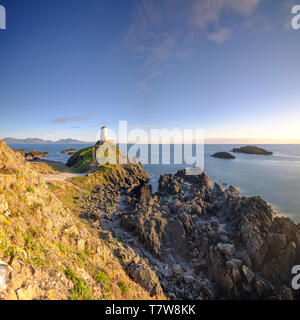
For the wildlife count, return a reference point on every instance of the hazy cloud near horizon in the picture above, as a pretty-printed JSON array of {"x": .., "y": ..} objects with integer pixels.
[{"x": 82, "y": 118}]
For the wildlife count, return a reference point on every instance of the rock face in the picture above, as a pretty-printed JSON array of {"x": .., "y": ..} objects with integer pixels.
[
  {"x": 252, "y": 150},
  {"x": 202, "y": 242},
  {"x": 223, "y": 155},
  {"x": 215, "y": 243},
  {"x": 35, "y": 155}
]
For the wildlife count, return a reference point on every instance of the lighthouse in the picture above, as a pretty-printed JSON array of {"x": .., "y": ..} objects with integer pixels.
[{"x": 103, "y": 136}]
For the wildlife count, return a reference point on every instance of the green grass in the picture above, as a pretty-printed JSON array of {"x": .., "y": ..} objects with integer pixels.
[
  {"x": 123, "y": 287},
  {"x": 85, "y": 160},
  {"x": 6, "y": 170},
  {"x": 98, "y": 177},
  {"x": 101, "y": 277},
  {"x": 30, "y": 189},
  {"x": 52, "y": 187},
  {"x": 81, "y": 290}
]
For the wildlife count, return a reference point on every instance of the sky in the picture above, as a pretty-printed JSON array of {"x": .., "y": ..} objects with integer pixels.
[{"x": 229, "y": 67}]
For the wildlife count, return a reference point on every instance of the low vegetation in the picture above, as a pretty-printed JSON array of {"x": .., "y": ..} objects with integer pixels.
[
  {"x": 42, "y": 233},
  {"x": 83, "y": 160}
]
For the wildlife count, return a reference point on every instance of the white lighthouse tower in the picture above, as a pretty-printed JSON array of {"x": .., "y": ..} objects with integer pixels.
[{"x": 103, "y": 136}]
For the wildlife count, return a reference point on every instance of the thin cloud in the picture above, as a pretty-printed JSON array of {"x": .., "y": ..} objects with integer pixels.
[
  {"x": 220, "y": 36},
  {"x": 82, "y": 118},
  {"x": 164, "y": 32},
  {"x": 206, "y": 12}
]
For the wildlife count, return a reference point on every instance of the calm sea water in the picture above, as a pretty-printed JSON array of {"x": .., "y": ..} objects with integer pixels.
[{"x": 275, "y": 178}]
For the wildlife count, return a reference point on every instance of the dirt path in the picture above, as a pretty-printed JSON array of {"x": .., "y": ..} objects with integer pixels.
[
  {"x": 67, "y": 175},
  {"x": 62, "y": 176}
]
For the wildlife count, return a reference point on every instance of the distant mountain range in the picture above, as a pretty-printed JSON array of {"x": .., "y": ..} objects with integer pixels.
[{"x": 41, "y": 141}]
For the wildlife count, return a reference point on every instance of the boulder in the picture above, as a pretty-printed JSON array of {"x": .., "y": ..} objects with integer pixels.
[
  {"x": 226, "y": 248},
  {"x": 177, "y": 269}
]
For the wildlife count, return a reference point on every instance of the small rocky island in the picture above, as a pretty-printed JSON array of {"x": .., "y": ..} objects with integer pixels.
[
  {"x": 252, "y": 150},
  {"x": 35, "y": 155},
  {"x": 223, "y": 155},
  {"x": 69, "y": 151}
]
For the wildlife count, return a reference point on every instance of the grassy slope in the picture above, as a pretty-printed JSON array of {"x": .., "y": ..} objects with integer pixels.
[
  {"x": 40, "y": 227},
  {"x": 83, "y": 160}
]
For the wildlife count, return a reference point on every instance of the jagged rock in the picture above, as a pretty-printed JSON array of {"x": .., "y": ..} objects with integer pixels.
[
  {"x": 234, "y": 262},
  {"x": 226, "y": 248},
  {"x": 249, "y": 274},
  {"x": 236, "y": 274},
  {"x": 209, "y": 289},
  {"x": 177, "y": 269},
  {"x": 233, "y": 191},
  {"x": 237, "y": 243},
  {"x": 188, "y": 279},
  {"x": 219, "y": 191},
  {"x": 143, "y": 275}
]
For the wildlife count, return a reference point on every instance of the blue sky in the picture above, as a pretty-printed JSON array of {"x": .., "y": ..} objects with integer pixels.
[{"x": 229, "y": 67}]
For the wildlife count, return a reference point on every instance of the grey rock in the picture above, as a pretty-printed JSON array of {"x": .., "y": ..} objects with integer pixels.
[
  {"x": 177, "y": 269},
  {"x": 249, "y": 274},
  {"x": 226, "y": 248},
  {"x": 188, "y": 279}
]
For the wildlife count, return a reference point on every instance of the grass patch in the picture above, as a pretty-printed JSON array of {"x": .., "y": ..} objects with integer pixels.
[
  {"x": 52, "y": 187},
  {"x": 101, "y": 277},
  {"x": 81, "y": 290},
  {"x": 123, "y": 287},
  {"x": 100, "y": 176},
  {"x": 30, "y": 189},
  {"x": 83, "y": 160}
]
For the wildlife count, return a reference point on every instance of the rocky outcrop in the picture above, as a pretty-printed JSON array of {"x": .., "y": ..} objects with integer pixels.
[
  {"x": 223, "y": 155},
  {"x": 252, "y": 150},
  {"x": 217, "y": 243},
  {"x": 68, "y": 151},
  {"x": 35, "y": 155},
  {"x": 202, "y": 242}
]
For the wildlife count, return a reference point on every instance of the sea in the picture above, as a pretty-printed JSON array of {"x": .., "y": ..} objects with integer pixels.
[{"x": 275, "y": 178}]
